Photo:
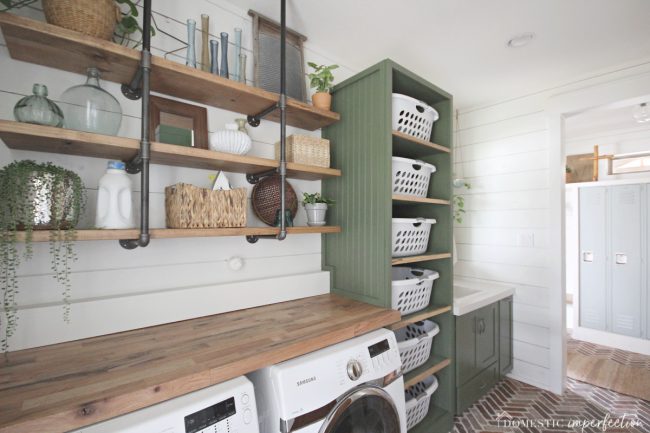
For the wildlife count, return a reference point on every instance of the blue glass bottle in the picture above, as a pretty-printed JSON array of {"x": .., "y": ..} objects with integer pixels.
[
  {"x": 214, "y": 53},
  {"x": 224, "y": 55},
  {"x": 190, "y": 59}
]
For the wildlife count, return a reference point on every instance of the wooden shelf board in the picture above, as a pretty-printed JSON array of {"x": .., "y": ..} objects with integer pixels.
[
  {"x": 437, "y": 420},
  {"x": 422, "y": 258},
  {"x": 413, "y": 200},
  {"x": 427, "y": 313},
  {"x": 432, "y": 366},
  {"x": 44, "y": 44},
  {"x": 416, "y": 147},
  {"x": 66, "y": 386},
  {"x": 112, "y": 235},
  {"x": 25, "y": 136}
]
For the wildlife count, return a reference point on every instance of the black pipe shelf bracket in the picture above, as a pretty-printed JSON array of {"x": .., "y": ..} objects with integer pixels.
[{"x": 139, "y": 88}]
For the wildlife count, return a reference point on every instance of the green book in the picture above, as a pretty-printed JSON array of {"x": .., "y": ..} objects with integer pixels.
[{"x": 174, "y": 135}]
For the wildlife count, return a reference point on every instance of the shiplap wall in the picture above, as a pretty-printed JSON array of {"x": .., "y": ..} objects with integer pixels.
[
  {"x": 503, "y": 151},
  {"x": 114, "y": 289}
]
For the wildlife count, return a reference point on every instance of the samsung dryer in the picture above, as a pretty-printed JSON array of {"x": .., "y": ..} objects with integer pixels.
[{"x": 351, "y": 387}]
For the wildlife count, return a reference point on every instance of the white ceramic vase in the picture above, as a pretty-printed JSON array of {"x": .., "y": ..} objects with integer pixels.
[
  {"x": 231, "y": 140},
  {"x": 316, "y": 214}
]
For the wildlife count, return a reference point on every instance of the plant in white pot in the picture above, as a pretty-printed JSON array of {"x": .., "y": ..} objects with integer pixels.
[{"x": 316, "y": 207}]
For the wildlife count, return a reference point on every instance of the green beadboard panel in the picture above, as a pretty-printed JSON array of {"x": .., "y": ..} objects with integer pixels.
[{"x": 359, "y": 257}]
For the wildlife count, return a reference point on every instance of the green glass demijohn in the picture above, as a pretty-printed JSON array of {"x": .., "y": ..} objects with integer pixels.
[
  {"x": 38, "y": 109},
  {"x": 90, "y": 108}
]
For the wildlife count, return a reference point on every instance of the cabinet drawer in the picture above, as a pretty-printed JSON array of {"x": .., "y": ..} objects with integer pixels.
[{"x": 477, "y": 387}]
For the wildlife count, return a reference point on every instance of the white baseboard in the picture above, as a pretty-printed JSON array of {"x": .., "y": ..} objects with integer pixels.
[{"x": 603, "y": 338}]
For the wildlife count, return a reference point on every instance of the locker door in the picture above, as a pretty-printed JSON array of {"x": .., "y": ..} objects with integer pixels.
[
  {"x": 625, "y": 208},
  {"x": 593, "y": 258}
]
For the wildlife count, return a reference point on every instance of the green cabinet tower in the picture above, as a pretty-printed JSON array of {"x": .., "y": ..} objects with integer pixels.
[{"x": 360, "y": 258}]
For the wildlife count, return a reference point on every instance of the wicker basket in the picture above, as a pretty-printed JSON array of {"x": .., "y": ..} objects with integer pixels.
[
  {"x": 266, "y": 199},
  {"x": 303, "y": 149},
  {"x": 190, "y": 207},
  {"x": 91, "y": 17}
]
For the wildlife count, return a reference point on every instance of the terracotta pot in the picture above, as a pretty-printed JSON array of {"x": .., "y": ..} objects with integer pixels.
[
  {"x": 91, "y": 17},
  {"x": 322, "y": 100},
  {"x": 568, "y": 178}
]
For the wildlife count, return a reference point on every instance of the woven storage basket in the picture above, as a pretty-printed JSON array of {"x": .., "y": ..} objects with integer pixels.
[
  {"x": 417, "y": 399},
  {"x": 190, "y": 207},
  {"x": 91, "y": 17},
  {"x": 266, "y": 199},
  {"x": 414, "y": 343},
  {"x": 303, "y": 149}
]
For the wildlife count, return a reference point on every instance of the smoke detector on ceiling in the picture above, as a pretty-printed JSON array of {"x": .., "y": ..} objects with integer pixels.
[
  {"x": 520, "y": 40},
  {"x": 642, "y": 113}
]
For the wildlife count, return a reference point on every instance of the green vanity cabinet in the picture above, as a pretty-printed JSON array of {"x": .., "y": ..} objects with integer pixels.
[{"x": 483, "y": 351}]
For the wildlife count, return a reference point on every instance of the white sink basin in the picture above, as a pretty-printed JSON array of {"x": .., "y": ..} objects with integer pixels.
[{"x": 470, "y": 295}]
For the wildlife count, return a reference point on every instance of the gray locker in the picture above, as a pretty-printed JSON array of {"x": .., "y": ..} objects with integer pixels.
[
  {"x": 593, "y": 258},
  {"x": 625, "y": 246}
]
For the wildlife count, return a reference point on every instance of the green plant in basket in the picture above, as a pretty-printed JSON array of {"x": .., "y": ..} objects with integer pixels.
[
  {"x": 36, "y": 196},
  {"x": 128, "y": 25}
]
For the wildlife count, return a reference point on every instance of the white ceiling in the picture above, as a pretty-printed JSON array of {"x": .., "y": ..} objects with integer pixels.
[
  {"x": 460, "y": 45},
  {"x": 604, "y": 120}
]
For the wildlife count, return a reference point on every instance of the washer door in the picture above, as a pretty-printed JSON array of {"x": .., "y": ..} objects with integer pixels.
[{"x": 368, "y": 409}]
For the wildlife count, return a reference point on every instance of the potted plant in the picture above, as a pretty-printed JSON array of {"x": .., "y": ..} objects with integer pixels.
[
  {"x": 321, "y": 80},
  {"x": 36, "y": 196},
  {"x": 316, "y": 207},
  {"x": 568, "y": 174}
]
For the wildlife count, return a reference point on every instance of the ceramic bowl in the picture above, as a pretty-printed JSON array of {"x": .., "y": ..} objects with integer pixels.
[{"x": 231, "y": 141}]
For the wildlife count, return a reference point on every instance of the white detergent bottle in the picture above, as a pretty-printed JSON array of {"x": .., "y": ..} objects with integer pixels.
[{"x": 114, "y": 203}]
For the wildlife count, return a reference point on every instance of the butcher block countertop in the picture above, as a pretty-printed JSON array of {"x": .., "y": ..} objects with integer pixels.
[{"x": 70, "y": 385}]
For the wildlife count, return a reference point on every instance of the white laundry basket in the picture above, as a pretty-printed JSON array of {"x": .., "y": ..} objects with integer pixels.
[
  {"x": 411, "y": 288},
  {"x": 417, "y": 398},
  {"x": 411, "y": 177},
  {"x": 414, "y": 342},
  {"x": 413, "y": 117},
  {"x": 411, "y": 235}
]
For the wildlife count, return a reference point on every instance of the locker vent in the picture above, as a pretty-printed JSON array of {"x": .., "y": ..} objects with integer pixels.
[
  {"x": 625, "y": 322},
  {"x": 627, "y": 196},
  {"x": 590, "y": 317}
]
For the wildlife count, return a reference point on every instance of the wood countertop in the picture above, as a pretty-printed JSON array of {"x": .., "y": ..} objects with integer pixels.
[{"x": 66, "y": 386}]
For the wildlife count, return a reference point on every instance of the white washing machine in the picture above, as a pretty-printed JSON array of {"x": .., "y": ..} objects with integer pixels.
[
  {"x": 351, "y": 387},
  {"x": 228, "y": 407}
]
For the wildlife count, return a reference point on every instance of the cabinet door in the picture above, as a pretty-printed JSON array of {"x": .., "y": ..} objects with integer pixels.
[
  {"x": 593, "y": 258},
  {"x": 505, "y": 336},
  {"x": 465, "y": 348},
  {"x": 487, "y": 329},
  {"x": 626, "y": 300}
]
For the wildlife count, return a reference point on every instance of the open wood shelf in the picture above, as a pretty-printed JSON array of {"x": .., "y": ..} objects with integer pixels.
[
  {"x": 432, "y": 366},
  {"x": 427, "y": 313},
  {"x": 422, "y": 258},
  {"x": 44, "y": 44},
  {"x": 25, "y": 136},
  {"x": 407, "y": 199},
  {"x": 409, "y": 146},
  {"x": 108, "y": 235}
]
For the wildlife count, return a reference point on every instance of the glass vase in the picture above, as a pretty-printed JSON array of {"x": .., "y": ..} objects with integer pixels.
[
  {"x": 37, "y": 109},
  {"x": 235, "y": 68},
  {"x": 242, "y": 68},
  {"x": 214, "y": 61},
  {"x": 90, "y": 108},
  {"x": 190, "y": 57},
  {"x": 224, "y": 55}
]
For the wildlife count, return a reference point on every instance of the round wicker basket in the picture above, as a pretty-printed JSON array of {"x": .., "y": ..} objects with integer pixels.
[
  {"x": 91, "y": 17},
  {"x": 266, "y": 199}
]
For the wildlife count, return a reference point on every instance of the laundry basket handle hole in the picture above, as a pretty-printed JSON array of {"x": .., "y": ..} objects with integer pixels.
[{"x": 419, "y": 108}]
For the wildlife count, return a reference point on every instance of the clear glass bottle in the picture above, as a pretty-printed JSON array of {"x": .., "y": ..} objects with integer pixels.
[
  {"x": 90, "y": 108},
  {"x": 190, "y": 57},
  {"x": 242, "y": 68},
  {"x": 36, "y": 108}
]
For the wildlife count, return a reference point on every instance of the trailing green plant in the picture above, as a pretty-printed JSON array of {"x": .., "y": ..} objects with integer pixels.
[
  {"x": 36, "y": 196},
  {"x": 316, "y": 198},
  {"x": 459, "y": 205},
  {"x": 321, "y": 79},
  {"x": 128, "y": 26}
]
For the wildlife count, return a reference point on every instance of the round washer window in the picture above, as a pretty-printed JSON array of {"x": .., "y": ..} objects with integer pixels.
[{"x": 366, "y": 410}]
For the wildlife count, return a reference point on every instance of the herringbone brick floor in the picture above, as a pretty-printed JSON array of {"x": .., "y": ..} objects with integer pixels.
[{"x": 514, "y": 407}]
